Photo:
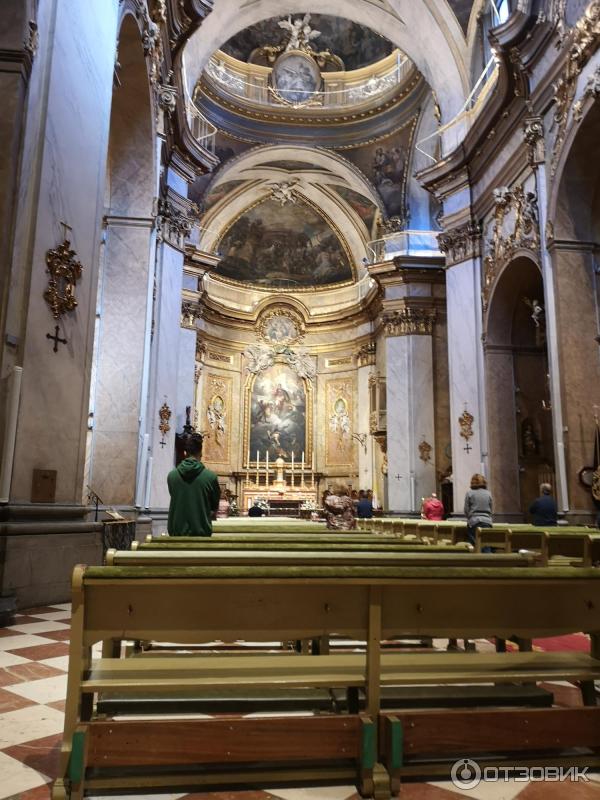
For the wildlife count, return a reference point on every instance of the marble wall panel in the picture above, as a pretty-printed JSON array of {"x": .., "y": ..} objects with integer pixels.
[
  {"x": 339, "y": 421},
  {"x": 441, "y": 394},
  {"x": 400, "y": 483},
  {"x": 186, "y": 388},
  {"x": 67, "y": 184},
  {"x": 365, "y": 454}
]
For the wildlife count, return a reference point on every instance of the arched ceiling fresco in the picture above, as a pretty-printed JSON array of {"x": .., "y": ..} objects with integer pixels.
[{"x": 356, "y": 45}]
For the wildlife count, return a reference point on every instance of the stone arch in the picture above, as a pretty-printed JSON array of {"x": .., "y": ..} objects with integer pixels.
[
  {"x": 518, "y": 401},
  {"x": 117, "y": 392},
  {"x": 431, "y": 37}
]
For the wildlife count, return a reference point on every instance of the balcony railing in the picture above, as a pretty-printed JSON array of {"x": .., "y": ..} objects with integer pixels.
[
  {"x": 251, "y": 82},
  {"x": 203, "y": 131},
  {"x": 403, "y": 243}
]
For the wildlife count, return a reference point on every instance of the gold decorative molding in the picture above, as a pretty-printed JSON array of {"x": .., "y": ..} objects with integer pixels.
[
  {"x": 461, "y": 243},
  {"x": 339, "y": 362},
  {"x": 339, "y": 448},
  {"x": 409, "y": 321},
  {"x": 220, "y": 357},
  {"x": 174, "y": 220},
  {"x": 592, "y": 89},
  {"x": 533, "y": 135},
  {"x": 525, "y": 233},
  {"x": 65, "y": 270},
  {"x": 582, "y": 42},
  {"x": 218, "y": 412}
]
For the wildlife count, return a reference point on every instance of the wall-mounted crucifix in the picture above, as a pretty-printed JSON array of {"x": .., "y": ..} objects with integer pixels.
[{"x": 56, "y": 339}]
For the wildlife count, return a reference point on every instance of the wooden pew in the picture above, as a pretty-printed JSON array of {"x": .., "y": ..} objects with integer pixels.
[
  {"x": 346, "y": 556},
  {"x": 299, "y": 545},
  {"x": 191, "y": 604},
  {"x": 578, "y": 547}
]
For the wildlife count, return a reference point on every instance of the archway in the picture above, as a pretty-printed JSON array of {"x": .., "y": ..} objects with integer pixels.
[
  {"x": 121, "y": 342},
  {"x": 575, "y": 212},
  {"x": 518, "y": 400}
]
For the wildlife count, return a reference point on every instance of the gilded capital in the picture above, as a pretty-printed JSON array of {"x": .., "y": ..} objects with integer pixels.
[
  {"x": 462, "y": 243},
  {"x": 533, "y": 136},
  {"x": 409, "y": 321}
]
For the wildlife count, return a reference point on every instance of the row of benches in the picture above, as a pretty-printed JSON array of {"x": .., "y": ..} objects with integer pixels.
[{"x": 228, "y": 588}]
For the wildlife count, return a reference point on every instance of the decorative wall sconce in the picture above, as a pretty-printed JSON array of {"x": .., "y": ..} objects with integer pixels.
[
  {"x": 164, "y": 414},
  {"x": 64, "y": 271}
]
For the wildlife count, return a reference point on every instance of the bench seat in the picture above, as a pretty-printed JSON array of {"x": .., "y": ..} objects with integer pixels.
[{"x": 181, "y": 676}]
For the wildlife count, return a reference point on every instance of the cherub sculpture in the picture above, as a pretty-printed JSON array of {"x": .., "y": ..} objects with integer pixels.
[{"x": 301, "y": 34}]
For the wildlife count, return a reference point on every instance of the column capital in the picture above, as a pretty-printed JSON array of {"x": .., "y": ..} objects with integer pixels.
[
  {"x": 533, "y": 136},
  {"x": 409, "y": 321},
  {"x": 461, "y": 243},
  {"x": 175, "y": 219},
  {"x": 366, "y": 355}
]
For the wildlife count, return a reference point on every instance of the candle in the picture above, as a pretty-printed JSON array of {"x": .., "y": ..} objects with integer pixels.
[
  {"x": 302, "y": 469},
  {"x": 267, "y": 468},
  {"x": 257, "y": 457}
]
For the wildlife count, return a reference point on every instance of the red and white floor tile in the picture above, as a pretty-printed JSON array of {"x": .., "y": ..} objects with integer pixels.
[{"x": 33, "y": 679}]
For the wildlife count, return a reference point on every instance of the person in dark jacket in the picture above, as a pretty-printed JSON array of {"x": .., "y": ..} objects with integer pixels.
[
  {"x": 255, "y": 511},
  {"x": 364, "y": 507},
  {"x": 543, "y": 510},
  {"x": 194, "y": 491}
]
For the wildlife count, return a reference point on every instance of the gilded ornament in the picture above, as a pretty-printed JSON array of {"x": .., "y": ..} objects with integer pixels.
[
  {"x": 425, "y": 450},
  {"x": 409, "y": 321},
  {"x": 164, "y": 427},
  {"x": 465, "y": 422},
  {"x": 582, "y": 42},
  {"x": 64, "y": 271}
]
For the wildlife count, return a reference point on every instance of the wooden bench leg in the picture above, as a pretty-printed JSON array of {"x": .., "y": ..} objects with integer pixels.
[
  {"x": 588, "y": 693},
  {"x": 111, "y": 648},
  {"x": 77, "y": 765},
  {"x": 393, "y": 754}
]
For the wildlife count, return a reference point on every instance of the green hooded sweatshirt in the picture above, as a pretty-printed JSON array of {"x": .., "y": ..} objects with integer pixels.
[{"x": 195, "y": 495}]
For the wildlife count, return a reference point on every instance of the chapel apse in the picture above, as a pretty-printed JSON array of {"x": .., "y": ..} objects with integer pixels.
[
  {"x": 278, "y": 415},
  {"x": 275, "y": 246}
]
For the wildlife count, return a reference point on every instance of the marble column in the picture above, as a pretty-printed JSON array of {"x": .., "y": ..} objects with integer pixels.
[
  {"x": 186, "y": 387},
  {"x": 410, "y": 407}
]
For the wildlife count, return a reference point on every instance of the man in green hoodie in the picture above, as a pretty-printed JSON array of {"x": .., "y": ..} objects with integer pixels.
[{"x": 194, "y": 491}]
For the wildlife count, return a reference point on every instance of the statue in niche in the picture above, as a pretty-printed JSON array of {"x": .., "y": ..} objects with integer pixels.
[{"x": 537, "y": 310}]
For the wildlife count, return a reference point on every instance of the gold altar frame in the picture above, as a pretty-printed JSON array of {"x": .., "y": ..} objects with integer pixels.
[{"x": 308, "y": 448}]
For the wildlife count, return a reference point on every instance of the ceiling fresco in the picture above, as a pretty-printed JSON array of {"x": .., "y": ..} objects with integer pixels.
[
  {"x": 356, "y": 45},
  {"x": 283, "y": 246}
]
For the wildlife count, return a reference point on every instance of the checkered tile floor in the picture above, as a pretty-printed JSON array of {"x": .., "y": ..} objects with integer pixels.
[{"x": 33, "y": 680}]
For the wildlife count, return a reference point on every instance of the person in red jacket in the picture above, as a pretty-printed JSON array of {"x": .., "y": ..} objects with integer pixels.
[{"x": 432, "y": 508}]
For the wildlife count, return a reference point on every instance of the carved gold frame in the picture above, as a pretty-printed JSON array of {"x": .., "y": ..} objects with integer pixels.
[
  {"x": 226, "y": 394},
  {"x": 280, "y": 311},
  {"x": 308, "y": 444}
]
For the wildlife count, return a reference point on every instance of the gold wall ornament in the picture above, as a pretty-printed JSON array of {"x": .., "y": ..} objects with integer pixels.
[
  {"x": 64, "y": 271},
  {"x": 425, "y": 450},
  {"x": 465, "y": 422},
  {"x": 366, "y": 355},
  {"x": 281, "y": 325},
  {"x": 164, "y": 414},
  {"x": 582, "y": 42},
  {"x": 592, "y": 89},
  {"x": 524, "y": 233},
  {"x": 533, "y": 136}
]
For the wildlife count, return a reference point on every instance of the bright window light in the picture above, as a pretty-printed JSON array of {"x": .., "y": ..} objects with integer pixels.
[{"x": 500, "y": 11}]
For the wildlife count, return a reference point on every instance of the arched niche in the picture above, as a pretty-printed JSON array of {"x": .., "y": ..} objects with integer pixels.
[
  {"x": 574, "y": 243},
  {"x": 521, "y": 448},
  {"x": 116, "y": 399}
]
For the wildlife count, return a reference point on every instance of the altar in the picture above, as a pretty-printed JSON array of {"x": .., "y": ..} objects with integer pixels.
[{"x": 286, "y": 487}]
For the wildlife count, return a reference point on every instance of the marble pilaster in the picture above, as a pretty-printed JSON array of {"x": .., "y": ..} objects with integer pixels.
[
  {"x": 465, "y": 356},
  {"x": 410, "y": 420},
  {"x": 64, "y": 168},
  {"x": 365, "y": 454},
  {"x": 186, "y": 388},
  {"x": 120, "y": 376}
]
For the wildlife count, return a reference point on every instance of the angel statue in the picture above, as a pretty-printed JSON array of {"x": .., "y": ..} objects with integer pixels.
[
  {"x": 300, "y": 32},
  {"x": 284, "y": 192},
  {"x": 536, "y": 308}
]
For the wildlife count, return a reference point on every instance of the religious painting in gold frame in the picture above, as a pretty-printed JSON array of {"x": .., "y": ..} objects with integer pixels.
[
  {"x": 278, "y": 416},
  {"x": 339, "y": 445},
  {"x": 281, "y": 326},
  {"x": 217, "y": 418}
]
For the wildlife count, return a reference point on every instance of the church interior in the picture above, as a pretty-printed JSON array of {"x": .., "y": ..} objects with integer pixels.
[{"x": 355, "y": 245}]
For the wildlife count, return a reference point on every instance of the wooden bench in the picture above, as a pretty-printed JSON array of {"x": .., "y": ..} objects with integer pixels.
[
  {"x": 299, "y": 545},
  {"x": 191, "y": 604}
]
